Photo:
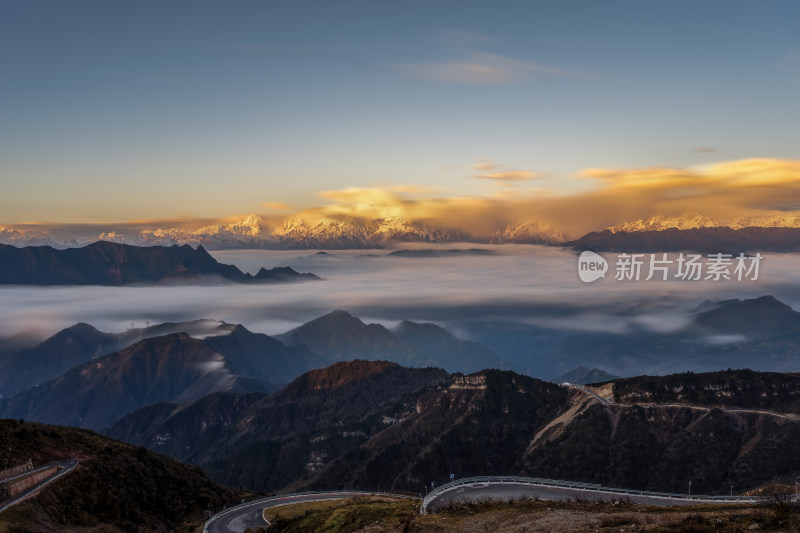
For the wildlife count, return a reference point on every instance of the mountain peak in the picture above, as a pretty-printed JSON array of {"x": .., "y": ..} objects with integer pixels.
[
  {"x": 344, "y": 373},
  {"x": 335, "y": 316},
  {"x": 660, "y": 223},
  {"x": 758, "y": 315},
  {"x": 80, "y": 327},
  {"x": 693, "y": 220}
]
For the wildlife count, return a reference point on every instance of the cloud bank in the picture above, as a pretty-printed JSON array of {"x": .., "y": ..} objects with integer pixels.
[{"x": 606, "y": 197}]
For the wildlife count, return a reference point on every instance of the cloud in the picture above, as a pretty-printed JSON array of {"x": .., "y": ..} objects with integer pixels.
[
  {"x": 756, "y": 172},
  {"x": 511, "y": 175},
  {"x": 481, "y": 68},
  {"x": 727, "y": 174},
  {"x": 723, "y": 190},
  {"x": 493, "y": 171}
]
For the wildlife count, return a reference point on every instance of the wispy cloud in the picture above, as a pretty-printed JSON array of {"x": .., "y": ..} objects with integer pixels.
[
  {"x": 481, "y": 68},
  {"x": 493, "y": 171}
]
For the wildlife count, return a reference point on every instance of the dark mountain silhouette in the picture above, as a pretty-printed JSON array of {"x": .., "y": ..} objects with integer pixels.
[
  {"x": 280, "y": 438},
  {"x": 760, "y": 333},
  {"x": 180, "y": 430},
  {"x": 95, "y": 394},
  {"x": 584, "y": 376},
  {"x": 173, "y": 367},
  {"x": 262, "y": 357},
  {"x": 26, "y": 367},
  {"x": 447, "y": 350},
  {"x": 116, "y": 486},
  {"x": 367, "y": 424},
  {"x": 758, "y": 318},
  {"x": 108, "y": 263},
  {"x": 704, "y": 240},
  {"x": 727, "y": 388},
  {"x": 339, "y": 336}
]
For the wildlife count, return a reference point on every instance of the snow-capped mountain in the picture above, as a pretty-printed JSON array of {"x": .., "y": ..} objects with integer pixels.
[
  {"x": 694, "y": 220},
  {"x": 778, "y": 221},
  {"x": 332, "y": 232},
  {"x": 250, "y": 226},
  {"x": 351, "y": 232},
  {"x": 660, "y": 223},
  {"x": 248, "y": 231},
  {"x": 529, "y": 232}
]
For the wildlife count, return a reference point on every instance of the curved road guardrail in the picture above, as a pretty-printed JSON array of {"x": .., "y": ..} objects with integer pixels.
[{"x": 529, "y": 485}]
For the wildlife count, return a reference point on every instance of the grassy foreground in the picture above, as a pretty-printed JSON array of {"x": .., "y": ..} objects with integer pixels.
[{"x": 378, "y": 515}]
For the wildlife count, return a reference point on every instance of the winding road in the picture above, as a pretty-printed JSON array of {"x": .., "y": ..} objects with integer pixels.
[
  {"x": 65, "y": 467},
  {"x": 470, "y": 490},
  {"x": 249, "y": 514}
]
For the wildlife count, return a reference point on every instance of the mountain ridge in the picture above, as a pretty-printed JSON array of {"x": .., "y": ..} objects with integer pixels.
[
  {"x": 387, "y": 429},
  {"x": 108, "y": 263}
]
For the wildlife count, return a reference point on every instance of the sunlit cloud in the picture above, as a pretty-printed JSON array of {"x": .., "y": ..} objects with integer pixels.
[
  {"x": 493, "y": 171},
  {"x": 724, "y": 191},
  {"x": 756, "y": 172},
  {"x": 481, "y": 68}
]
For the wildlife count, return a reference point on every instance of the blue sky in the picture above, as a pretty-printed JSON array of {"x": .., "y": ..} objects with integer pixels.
[{"x": 122, "y": 111}]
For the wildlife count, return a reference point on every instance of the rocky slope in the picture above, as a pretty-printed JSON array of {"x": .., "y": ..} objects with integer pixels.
[{"x": 369, "y": 424}]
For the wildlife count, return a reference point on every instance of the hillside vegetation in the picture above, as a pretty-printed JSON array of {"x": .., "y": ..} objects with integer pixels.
[{"x": 116, "y": 487}]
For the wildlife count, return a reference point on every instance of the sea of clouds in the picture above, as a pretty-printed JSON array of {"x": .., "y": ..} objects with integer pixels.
[{"x": 522, "y": 283}]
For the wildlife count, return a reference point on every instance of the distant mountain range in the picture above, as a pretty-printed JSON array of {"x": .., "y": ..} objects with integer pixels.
[
  {"x": 369, "y": 424},
  {"x": 697, "y": 221},
  {"x": 331, "y": 232},
  {"x": 697, "y": 233},
  {"x": 350, "y": 232},
  {"x": 174, "y": 367},
  {"x": 27, "y": 366},
  {"x": 342, "y": 337},
  {"x": 761, "y": 333},
  {"x": 108, "y": 263},
  {"x": 89, "y": 378},
  {"x": 703, "y": 240}
]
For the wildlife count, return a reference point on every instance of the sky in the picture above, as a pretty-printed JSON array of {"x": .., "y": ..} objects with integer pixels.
[{"x": 118, "y": 112}]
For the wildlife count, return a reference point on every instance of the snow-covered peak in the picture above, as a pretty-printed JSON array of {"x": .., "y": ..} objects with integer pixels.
[
  {"x": 660, "y": 223},
  {"x": 250, "y": 226},
  {"x": 531, "y": 232},
  {"x": 777, "y": 221},
  {"x": 694, "y": 220}
]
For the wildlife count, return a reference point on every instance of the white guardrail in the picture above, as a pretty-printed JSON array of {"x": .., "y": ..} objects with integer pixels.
[{"x": 513, "y": 480}]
